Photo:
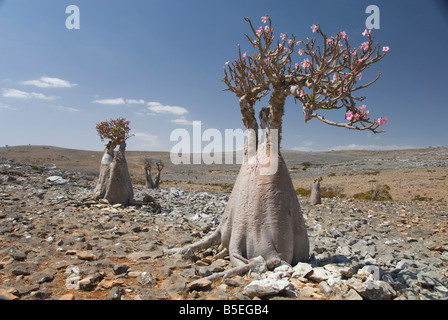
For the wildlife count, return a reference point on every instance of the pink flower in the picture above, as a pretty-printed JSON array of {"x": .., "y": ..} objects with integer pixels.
[
  {"x": 267, "y": 29},
  {"x": 382, "y": 121},
  {"x": 299, "y": 42},
  {"x": 335, "y": 77},
  {"x": 227, "y": 63},
  {"x": 314, "y": 28},
  {"x": 349, "y": 115},
  {"x": 343, "y": 34},
  {"x": 365, "y": 45},
  {"x": 282, "y": 36},
  {"x": 354, "y": 52},
  {"x": 359, "y": 75},
  {"x": 385, "y": 49},
  {"x": 366, "y": 32},
  {"x": 306, "y": 63},
  {"x": 301, "y": 51},
  {"x": 357, "y": 116},
  {"x": 290, "y": 41},
  {"x": 330, "y": 42},
  {"x": 244, "y": 55},
  {"x": 265, "y": 18},
  {"x": 296, "y": 66},
  {"x": 301, "y": 94},
  {"x": 361, "y": 60},
  {"x": 260, "y": 30}
]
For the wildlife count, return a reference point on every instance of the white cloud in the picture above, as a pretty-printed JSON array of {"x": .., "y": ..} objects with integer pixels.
[
  {"x": 4, "y": 106},
  {"x": 67, "y": 109},
  {"x": 157, "y": 107},
  {"x": 372, "y": 147},
  {"x": 353, "y": 146},
  {"x": 113, "y": 102},
  {"x": 18, "y": 94},
  {"x": 182, "y": 121},
  {"x": 119, "y": 101},
  {"x": 144, "y": 140},
  {"x": 47, "y": 82},
  {"x": 134, "y": 101}
]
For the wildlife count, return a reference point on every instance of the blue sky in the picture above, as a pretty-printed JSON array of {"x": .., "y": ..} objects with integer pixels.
[{"x": 160, "y": 64}]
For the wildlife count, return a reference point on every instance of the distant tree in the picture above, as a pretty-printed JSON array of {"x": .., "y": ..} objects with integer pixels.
[
  {"x": 315, "y": 197},
  {"x": 263, "y": 216},
  {"x": 148, "y": 165},
  {"x": 114, "y": 182}
]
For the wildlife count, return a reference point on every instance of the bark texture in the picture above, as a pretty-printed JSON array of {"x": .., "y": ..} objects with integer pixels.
[{"x": 114, "y": 182}]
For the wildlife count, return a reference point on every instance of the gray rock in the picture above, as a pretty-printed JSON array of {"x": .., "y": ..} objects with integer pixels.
[
  {"x": 139, "y": 255},
  {"x": 373, "y": 289},
  {"x": 145, "y": 278},
  {"x": 16, "y": 254},
  {"x": 319, "y": 274},
  {"x": 301, "y": 270},
  {"x": 57, "y": 180},
  {"x": 200, "y": 284},
  {"x": 46, "y": 275},
  {"x": 42, "y": 294},
  {"x": 22, "y": 268},
  {"x": 283, "y": 271},
  {"x": 120, "y": 269},
  {"x": 258, "y": 265},
  {"x": 265, "y": 287},
  {"x": 89, "y": 283},
  {"x": 115, "y": 293},
  {"x": 5, "y": 295}
]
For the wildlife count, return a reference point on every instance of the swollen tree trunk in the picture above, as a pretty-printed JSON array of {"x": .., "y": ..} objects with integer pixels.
[
  {"x": 114, "y": 182},
  {"x": 263, "y": 215}
]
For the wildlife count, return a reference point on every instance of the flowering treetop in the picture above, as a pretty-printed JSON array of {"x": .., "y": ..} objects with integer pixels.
[
  {"x": 116, "y": 130},
  {"x": 326, "y": 78}
]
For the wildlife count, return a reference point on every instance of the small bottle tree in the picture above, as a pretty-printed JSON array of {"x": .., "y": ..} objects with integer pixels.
[
  {"x": 114, "y": 182},
  {"x": 263, "y": 215},
  {"x": 148, "y": 165}
]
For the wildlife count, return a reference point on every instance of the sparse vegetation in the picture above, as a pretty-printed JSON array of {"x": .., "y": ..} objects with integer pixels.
[
  {"x": 379, "y": 193},
  {"x": 303, "y": 192},
  {"x": 325, "y": 192},
  {"x": 372, "y": 173},
  {"x": 420, "y": 198},
  {"x": 37, "y": 168},
  {"x": 225, "y": 186},
  {"x": 331, "y": 192}
]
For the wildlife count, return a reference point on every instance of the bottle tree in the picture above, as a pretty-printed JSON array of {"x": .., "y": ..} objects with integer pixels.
[
  {"x": 114, "y": 182},
  {"x": 263, "y": 216}
]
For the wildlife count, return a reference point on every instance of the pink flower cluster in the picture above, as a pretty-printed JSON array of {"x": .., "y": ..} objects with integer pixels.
[
  {"x": 116, "y": 130},
  {"x": 382, "y": 121},
  {"x": 360, "y": 114}
]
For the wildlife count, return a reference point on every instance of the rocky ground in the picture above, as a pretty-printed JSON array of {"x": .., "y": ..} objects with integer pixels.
[{"x": 58, "y": 243}]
